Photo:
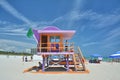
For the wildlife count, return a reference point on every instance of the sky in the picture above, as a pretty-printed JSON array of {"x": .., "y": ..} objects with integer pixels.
[{"x": 97, "y": 23}]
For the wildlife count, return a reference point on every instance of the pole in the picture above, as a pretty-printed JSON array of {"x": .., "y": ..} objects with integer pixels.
[
  {"x": 43, "y": 65},
  {"x": 67, "y": 62}
]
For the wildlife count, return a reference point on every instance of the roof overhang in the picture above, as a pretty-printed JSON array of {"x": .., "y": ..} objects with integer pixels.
[{"x": 67, "y": 34}]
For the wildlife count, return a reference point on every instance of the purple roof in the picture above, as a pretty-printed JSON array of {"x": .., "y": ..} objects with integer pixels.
[
  {"x": 67, "y": 34},
  {"x": 51, "y": 28}
]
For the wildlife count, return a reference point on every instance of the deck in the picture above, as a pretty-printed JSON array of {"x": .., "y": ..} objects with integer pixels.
[{"x": 48, "y": 53}]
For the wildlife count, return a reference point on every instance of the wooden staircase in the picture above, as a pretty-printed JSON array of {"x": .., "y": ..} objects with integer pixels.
[{"x": 78, "y": 59}]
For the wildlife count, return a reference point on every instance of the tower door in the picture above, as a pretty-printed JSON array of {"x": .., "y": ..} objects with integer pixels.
[{"x": 44, "y": 43}]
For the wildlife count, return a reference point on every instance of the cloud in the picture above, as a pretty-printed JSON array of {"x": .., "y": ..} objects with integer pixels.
[
  {"x": 4, "y": 22},
  {"x": 13, "y": 29},
  {"x": 13, "y": 34},
  {"x": 111, "y": 45},
  {"x": 88, "y": 19},
  {"x": 73, "y": 15},
  {"x": 107, "y": 20},
  {"x": 21, "y": 31},
  {"x": 93, "y": 19},
  {"x": 13, "y": 11},
  {"x": 90, "y": 44},
  {"x": 12, "y": 45},
  {"x": 1, "y": 50},
  {"x": 100, "y": 21},
  {"x": 114, "y": 34}
]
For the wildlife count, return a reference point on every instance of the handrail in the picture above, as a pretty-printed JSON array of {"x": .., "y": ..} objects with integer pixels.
[{"x": 80, "y": 55}]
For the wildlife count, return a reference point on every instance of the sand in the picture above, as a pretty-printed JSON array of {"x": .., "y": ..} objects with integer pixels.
[{"x": 12, "y": 69}]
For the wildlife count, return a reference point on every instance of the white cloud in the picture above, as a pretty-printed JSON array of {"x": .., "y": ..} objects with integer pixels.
[
  {"x": 102, "y": 20},
  {"x": 113, "y": 34},
  {"x": 1, "y": 49},
  {"x": 73, "y": 15},
  {"x": 17, "y": 31},
  {"x": 13, "y": 29},
  {"x": 90, "y": 44},
  {"x": 11, "y": 45},
  {"x": 4, "y": 22},
  {"x": 56, "y": 19},
  {"x": 112, "y": 39},
  {"x": 93, "y": 19},
  {"x": 110, "y": 45},
  {"x": 107, "y": 20},
  {"x": 13, "y": 34},
  {"x": 14, "y": 12}
]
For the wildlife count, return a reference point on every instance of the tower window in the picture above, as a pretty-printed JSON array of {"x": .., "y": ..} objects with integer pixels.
[{"x": 54, "y": 38}]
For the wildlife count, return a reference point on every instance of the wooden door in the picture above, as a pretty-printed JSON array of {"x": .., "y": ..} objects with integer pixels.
[{"x": 44, "y": 43}]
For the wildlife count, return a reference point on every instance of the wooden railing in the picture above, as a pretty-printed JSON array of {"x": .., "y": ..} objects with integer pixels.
[{"x": 55, "y": 47}]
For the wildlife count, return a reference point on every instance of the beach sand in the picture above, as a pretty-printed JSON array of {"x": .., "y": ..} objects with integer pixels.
[{"x": 12, "y": 69}]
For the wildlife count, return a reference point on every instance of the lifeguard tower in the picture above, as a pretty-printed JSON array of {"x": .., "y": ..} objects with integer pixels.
[{"x": 58, "y": 54}]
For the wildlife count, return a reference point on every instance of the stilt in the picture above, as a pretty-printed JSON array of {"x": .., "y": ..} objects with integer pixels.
[
  {"x": 43, "y": 65},
  {"x": 47, "y": 61},
  {"x": 67, "y": 61}
]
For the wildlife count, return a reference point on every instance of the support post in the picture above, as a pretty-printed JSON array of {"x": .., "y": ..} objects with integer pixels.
[
  {"x": 47, "y": 61},
  {"x": 43, "y": 65},
  {"x": 67, "y": 61}
]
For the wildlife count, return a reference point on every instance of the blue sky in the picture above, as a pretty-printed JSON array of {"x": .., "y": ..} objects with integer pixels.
[{"x": 97, "y": 23}]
